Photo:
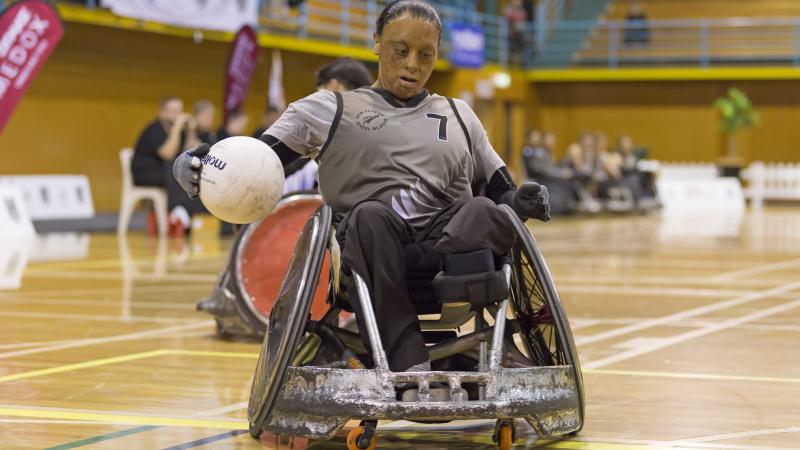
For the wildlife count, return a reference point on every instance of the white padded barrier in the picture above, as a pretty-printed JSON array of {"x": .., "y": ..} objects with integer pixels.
[
  {"x": 697, "y": 202},
  {"x": 687, "y": 170},
  {"x": 51, "y": 197},
  {"x": 711, "y": 195},
  {"x": 772, "y": 181}
]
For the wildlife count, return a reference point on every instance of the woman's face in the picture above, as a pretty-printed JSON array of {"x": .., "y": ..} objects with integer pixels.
[{"x": 407, "y": 51}]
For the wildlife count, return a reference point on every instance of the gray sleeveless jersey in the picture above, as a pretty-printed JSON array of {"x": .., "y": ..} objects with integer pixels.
[{"x": 417, "y": 159}]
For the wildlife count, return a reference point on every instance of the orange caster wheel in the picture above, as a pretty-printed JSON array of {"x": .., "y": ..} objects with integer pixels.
[
  {"x": 504, "y": 434},
  {"x": 362, "y": 437}
]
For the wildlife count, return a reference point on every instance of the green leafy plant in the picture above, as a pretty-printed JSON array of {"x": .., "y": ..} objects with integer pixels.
[{"x": 736, "y": 112}]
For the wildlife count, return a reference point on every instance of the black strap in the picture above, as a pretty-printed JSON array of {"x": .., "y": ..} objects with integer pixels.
[
  {"x": 461, "y": 122},
  {"x": 286, "y": 154},
  {"x": 334, "y": 124}
]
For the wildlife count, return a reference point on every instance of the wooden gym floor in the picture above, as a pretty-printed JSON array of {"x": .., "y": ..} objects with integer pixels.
[{"x": 689, "y": 333}]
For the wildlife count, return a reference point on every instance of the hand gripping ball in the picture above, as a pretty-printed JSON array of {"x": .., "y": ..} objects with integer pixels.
[{"x": 242, "y": 179}]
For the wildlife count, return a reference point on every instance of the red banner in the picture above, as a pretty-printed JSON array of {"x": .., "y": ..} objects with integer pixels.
[
  {"x": 29, "y": 32},
  {"x": 241, "y": 65}
]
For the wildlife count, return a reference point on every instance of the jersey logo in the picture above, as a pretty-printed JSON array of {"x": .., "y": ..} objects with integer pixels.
[{"x": 371, "y": 120}]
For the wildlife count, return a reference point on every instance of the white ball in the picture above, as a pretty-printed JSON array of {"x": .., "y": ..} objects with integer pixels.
[{"x": 242, "y": 179}]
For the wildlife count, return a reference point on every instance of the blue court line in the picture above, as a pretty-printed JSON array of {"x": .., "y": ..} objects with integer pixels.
[
  {"x": 208, "y": 440},
  {"x": 102, "y": 437}
]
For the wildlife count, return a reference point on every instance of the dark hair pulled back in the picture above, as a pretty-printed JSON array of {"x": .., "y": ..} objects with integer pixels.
[{"x": 417, "y": 8}]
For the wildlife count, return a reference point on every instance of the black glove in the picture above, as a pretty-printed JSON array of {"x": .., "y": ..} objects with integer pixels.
[
  {"x": 187, "y": 168},
  {"x": 532, "y": 201}
]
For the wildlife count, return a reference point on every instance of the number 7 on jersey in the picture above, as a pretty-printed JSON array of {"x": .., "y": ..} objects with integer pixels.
[{"x": 442, "y": 124}]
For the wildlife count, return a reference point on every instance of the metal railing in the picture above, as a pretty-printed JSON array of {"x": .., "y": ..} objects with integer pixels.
[
  {"x": 694, "y": 42},
  {"x": 352, "y": 22},
  {"x": 548, "y": 13}
]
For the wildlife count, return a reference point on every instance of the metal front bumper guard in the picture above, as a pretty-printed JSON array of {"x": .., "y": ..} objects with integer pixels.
[{"x": 316, "y": 402}]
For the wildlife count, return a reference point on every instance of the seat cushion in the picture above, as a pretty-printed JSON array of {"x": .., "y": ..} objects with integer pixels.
[{"x": 480, "y": 289}]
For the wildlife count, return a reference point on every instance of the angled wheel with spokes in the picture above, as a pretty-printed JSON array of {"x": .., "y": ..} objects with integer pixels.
[
  {"x": 288, "y": 318},
  {"x": 541, "y": 322}
]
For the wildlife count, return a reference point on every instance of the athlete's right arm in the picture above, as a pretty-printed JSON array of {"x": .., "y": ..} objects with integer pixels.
[{"x": 300, "y": 131}]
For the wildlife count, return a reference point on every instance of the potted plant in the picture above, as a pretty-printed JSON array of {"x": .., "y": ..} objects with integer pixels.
[{"x": 736, "y": 113}]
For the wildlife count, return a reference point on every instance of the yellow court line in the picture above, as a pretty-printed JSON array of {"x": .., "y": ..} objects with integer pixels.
[
  {"x": 114, "y": 263},
  {"x": 229, "y": 424},
  {"x": 663, "y": 74},
  {"x": 577, "y": 445},
  {"x": 125, "y": 419},
  {"x": 215, "y": 354},
  {"x": 124, "y": 358},
  {"x": 694, "y": 376},
  {"x": 83, "y": 365}
]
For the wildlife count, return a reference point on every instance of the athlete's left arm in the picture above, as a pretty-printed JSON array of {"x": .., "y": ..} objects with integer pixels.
[{"x": 529, "y": 201}]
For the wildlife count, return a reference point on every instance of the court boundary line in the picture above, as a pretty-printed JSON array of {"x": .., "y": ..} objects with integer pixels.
[
  {"x": 206, "y": 440},
  {"x": 112, "y": 275},
  {"x": 246, "y": 355},
  {"x": 108, "y": 339},
  {"x": 102, "y": 438},
  {"x": 691, "y": 376},
  {"x": 120, "y": 359},
  {"x": 99, "y": 317},
  {"x": 126, "y": 419},
  {"x": 755, "y": 270},
  {"x": 680, "y": 338},
  {"x": 741, "y": 434},
  {"x": 718, "y": 306}
]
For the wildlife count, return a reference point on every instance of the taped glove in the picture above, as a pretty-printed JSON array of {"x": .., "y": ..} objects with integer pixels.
[
  {"x": 530, "y": 201},
  {"x": 187, "y": 168}
]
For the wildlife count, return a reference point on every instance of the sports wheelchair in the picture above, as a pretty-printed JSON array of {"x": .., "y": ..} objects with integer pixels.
[{"x": 501, "y": 344}]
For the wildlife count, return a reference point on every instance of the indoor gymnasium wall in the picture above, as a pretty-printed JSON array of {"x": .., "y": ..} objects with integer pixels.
[
  {"x": 108, "y": 96},
  {"x": 674, "y": 118}
]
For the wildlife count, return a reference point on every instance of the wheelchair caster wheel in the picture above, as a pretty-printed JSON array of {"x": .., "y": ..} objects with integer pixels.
[
  {"x": 356, "y": 440},
  {"x": 504, "y": 434}
]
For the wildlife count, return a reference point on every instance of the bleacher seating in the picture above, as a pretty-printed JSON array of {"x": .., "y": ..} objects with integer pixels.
[
  {"x": 324, "y": 20},
  {"x": 705, "y": 9},
  {"x": 743, "y": 30}
]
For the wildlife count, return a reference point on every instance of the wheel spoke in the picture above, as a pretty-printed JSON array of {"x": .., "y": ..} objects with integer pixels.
[{"x": 537, "y": 325}]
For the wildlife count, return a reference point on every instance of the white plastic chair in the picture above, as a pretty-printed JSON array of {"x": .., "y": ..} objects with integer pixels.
[{"x": 131, "y": 194}]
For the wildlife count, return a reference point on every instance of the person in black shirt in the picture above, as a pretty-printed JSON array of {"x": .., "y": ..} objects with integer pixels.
[{"x": 159, "y": 143}]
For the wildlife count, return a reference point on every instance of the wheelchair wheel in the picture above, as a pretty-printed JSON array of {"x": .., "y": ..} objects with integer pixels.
[
  {"x": 264, "y": 253},
  {"x": 259, "y": 258},
  {"x": 540, "y": 318},
  {"x": 288, "y": 317}
]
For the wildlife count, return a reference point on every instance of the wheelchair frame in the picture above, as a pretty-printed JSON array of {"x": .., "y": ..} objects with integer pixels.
[{"x": 543, "y": 387}]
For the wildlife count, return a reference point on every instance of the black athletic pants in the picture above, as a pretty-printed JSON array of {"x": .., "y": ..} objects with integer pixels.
[{"x": 373, "y": 238}]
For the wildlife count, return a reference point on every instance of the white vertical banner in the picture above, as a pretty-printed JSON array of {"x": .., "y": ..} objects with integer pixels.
[
  {"x": 276, "y": 97},
  {"x": 225, "y": 15}
]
